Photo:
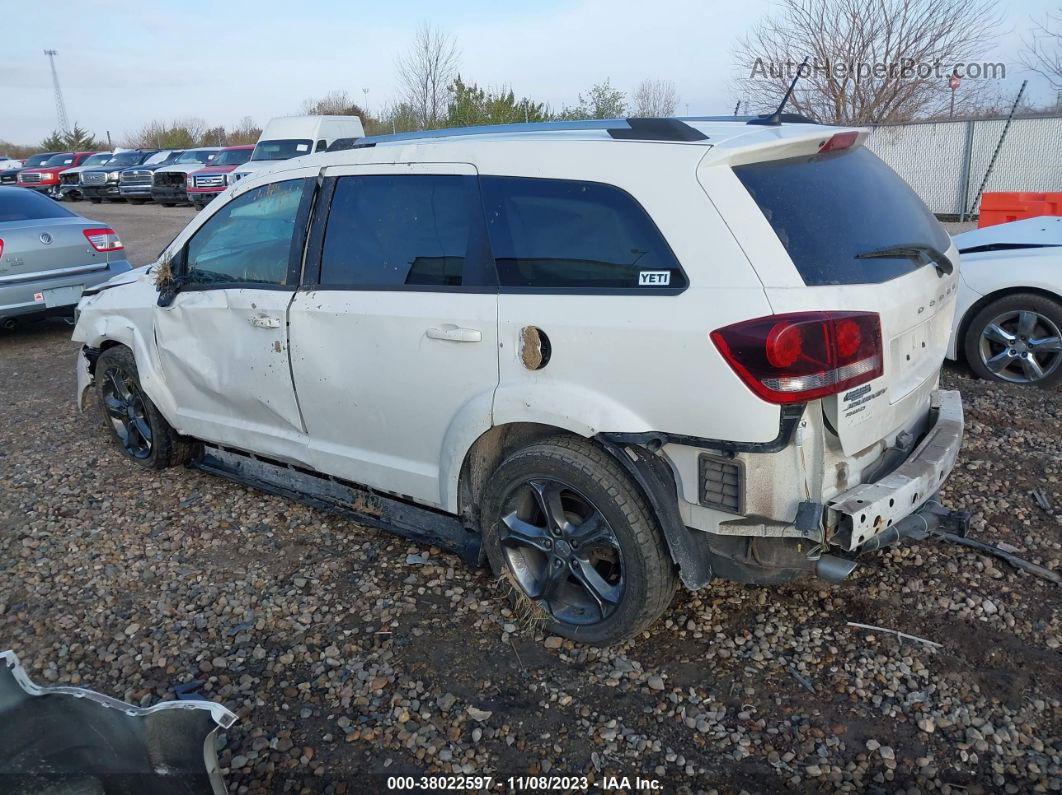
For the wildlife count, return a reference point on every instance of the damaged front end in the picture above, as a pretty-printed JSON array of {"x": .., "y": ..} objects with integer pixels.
[{"x": 69, "y": 739}]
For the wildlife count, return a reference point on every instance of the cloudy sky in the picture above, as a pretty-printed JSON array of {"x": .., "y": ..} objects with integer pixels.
[{"x": 123, "y": 63}]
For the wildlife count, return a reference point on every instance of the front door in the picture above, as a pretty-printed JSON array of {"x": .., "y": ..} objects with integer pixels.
[
  {"x": 395, "y": 349},
  {"x": 223, "y": 341}
]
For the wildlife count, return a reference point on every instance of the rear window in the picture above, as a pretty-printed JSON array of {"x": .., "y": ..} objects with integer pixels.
[
  {"x": 827, "y": 209},
  {"x": 19, "y": 204},
  {"x": 564, "y": 234}
]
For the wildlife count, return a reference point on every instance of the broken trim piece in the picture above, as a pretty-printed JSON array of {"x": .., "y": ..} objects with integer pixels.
[{"x": 165, "y": 748}]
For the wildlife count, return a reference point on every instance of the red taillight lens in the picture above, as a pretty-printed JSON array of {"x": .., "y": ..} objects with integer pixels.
[
  {"x": 103, "y": 239},
  {"x": 803, "y": 355},
  {"x": 1, "y": 247},
  {"x": 839, "y": 141}
]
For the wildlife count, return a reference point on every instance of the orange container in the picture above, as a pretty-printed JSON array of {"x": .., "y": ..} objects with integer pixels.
[{"x": 999, "y": 208}]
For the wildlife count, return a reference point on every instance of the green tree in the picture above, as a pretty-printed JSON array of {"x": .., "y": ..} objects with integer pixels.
[
  {"x": 76, "y": 139},
  {"x": 601, "y": 102},
  {"x": 469, "y": 105},
  {"x": 53, "y": 143}
]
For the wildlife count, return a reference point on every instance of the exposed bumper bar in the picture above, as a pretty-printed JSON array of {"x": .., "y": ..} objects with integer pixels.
[{"x": 867, "y": 510}]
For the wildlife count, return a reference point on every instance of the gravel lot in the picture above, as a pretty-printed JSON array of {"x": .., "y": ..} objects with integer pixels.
[{"x": 351, "y": 655}]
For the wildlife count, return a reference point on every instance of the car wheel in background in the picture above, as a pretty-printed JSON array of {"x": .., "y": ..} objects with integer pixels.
[
  {"x": 136, "y": 426},
  {"x": 137, "y": 201},
  {"x": 1017, "y": 339},
  {"x": 577, "y": 542},
  {"x": 168, "y": 204},
  {"x": 95, "y": 201}
]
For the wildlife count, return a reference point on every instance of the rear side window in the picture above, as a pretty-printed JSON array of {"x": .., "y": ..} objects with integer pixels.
[
  {"x": 828, "y": 209},
  {"x": 19, "y": 204},
  {"x": 387, "y": 231},
  {"x": 548, "y": 233}
]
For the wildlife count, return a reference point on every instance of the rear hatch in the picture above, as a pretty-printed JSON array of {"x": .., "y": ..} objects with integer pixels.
[{"x": 835, "y": 229}]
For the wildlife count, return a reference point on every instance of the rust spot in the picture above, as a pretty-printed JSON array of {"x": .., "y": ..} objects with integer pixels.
[
  {"x": 278, "y": 347},
  {"x": 534, "y": 348}
]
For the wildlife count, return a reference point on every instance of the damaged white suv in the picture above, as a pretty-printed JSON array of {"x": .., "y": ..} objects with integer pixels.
[{"x": 604, "y": 357}]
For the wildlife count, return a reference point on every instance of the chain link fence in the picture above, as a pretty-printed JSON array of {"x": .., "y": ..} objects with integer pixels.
[{"x": 946, "y": 161}]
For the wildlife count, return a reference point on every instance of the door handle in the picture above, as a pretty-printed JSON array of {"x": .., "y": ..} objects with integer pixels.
[
  {"x": 455, "y": 334},
  {"x": 263, "y": 321}
]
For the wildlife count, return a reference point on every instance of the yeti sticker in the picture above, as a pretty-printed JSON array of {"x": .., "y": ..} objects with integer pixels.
[{"x": 654, "y": 278}]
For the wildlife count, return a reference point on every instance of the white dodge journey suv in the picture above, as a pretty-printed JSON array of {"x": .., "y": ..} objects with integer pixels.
[{"x": 603, "y": 357}]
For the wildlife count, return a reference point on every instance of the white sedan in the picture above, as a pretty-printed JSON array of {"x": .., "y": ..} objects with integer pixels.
[{"x": 1008, "y": 318}]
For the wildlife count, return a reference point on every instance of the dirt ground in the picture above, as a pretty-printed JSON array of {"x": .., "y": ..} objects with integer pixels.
[{"x": 351, "y": 655}]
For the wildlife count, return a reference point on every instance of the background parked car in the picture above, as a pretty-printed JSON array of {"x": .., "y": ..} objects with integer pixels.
[
  {"x": 45, "y": 178},
  {"x": 205, "y": 184},
  {"x": 1008, "y": 319},
  {"x": 294, "y": 136},
  {"x": 167, "y": 183},
  {"x": 49, "y": 255},
  {"x": 101, "y": 182},
  {"x": 10, "y": 175},
  {"x": 7, "y": 163},
  {"x": 134, "y": 184},
  {"x": 69, "y": 185}
]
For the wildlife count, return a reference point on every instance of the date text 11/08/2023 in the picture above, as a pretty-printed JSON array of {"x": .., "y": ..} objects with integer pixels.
[{"x": 524, "y": 783}]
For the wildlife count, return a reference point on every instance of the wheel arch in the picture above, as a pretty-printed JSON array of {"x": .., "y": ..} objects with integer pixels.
[
  {"x": 651, "y": 474},
  {"x": 985, "y": 300}
]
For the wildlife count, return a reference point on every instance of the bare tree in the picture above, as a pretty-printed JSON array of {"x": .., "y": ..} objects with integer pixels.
[
  {"x": 334, "y": 103},
  {"x": 176, "y": 134},
  {"x": 426, "y": 71},
  {"x": 1043, "y": 49},
  {"x": 869, "y": 62},
  {"x": 246, "y": 132},
  {"x": 655, "y": 99}
]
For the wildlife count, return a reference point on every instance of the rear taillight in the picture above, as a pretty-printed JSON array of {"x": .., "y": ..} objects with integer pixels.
[
  {"x": 801, "y": 356},
  {"x": 103, "y": 239}
]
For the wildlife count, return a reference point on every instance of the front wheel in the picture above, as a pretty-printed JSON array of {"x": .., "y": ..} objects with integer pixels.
[
  {"x": 141, "y": 433},
  {"x": 575, "y": 538},
  {"x": 1017, "y": 339}
]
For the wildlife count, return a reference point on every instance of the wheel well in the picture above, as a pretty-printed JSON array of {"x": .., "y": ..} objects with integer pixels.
[
  {"x": 981, "y": 303},
  {"x": 103, "y": 346},
  {"x": 490, "y": 449}
]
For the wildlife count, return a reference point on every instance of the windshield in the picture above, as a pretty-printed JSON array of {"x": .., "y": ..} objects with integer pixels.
[
  {"x": 98, "y": 159},
  {"x": 65, "y": 159},
  {"x": 126, "y": 159},
  {"x": 196, "y": 156},
  {"x": 283, "y": 149},
  {"x": 36, "y": 160},
  {"x": 232, "y": 157},
  {"x": 829, "y": 209},
  {"x": 163, "y": 157}
]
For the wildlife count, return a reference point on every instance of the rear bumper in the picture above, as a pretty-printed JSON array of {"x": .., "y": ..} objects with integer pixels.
[
  {"x": 26, "y": 299},
  {"x": 865, "y": 511}
]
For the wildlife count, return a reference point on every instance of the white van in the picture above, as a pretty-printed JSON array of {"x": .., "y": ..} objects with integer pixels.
[{"x": 286, "y": 137}]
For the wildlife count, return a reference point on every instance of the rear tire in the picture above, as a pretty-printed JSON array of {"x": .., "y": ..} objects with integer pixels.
[
  {"x": 594, "y": 567},
  {"x": 1017, "y": 339},
  {"x": 135, "y": 425}
]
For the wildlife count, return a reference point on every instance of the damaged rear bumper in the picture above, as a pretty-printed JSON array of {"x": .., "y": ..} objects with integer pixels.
[
  {"x": 863, "y": 512},
  {"x": 69, "y": 739}
]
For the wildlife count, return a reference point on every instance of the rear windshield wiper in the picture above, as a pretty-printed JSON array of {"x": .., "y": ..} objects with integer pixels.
[{"x": 919, "y": 252}]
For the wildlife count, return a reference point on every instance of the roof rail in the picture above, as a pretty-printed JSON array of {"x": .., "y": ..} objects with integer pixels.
[{"x": 637, "y": 129}]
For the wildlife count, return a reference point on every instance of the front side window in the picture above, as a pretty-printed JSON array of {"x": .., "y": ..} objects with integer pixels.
[
  {"x": 551, "y": 233},
  {"x": 249, "y": 239},
  {"x": 388, "y": 231}
]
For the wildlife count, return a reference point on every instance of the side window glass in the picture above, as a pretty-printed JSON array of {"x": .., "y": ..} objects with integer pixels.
[
  {"x": 249, "y": 239},
  {"x": 548, "y": 233},
  {"x": 398, "y": 230},
  {"x": 322, "y": 145}
]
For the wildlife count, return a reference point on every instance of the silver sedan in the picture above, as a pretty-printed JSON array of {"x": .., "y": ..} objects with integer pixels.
[{"x": 49, "y": 256}]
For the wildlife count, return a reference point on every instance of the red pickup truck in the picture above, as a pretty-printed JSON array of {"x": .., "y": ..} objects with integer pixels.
[
  {"x": 206, "y": 183},
  {"x": 45, "y": 178}
]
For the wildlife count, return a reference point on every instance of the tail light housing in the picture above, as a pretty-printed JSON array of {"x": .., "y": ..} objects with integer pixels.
[
  {"x": 103, "y": 239},
  {"x": 801, "y": 356}
]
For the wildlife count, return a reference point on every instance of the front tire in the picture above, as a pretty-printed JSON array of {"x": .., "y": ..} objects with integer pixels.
[
  {"x": 1018, "y": 340},
  {"x": 575, "y": 538},
  {"x": 135, "y": 425}
]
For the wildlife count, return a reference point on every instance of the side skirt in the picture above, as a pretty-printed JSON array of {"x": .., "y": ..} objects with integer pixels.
[{"x": 349, "y": 500}]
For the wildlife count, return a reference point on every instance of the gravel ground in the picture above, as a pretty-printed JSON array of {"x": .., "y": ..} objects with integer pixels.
[{"x": 351, "y": 655}]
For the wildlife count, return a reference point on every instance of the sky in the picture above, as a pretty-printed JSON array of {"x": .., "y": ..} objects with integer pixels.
[{"x": 122, "y": 64}]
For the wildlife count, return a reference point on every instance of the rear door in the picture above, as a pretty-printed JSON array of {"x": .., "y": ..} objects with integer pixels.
[
  {"x": 394, "y": 339},
  {"x": 817, "y": 229}
]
